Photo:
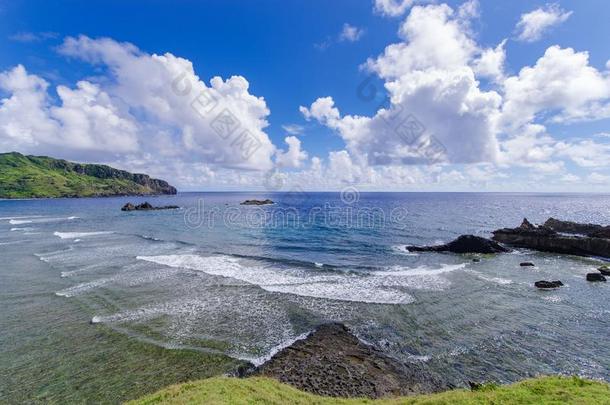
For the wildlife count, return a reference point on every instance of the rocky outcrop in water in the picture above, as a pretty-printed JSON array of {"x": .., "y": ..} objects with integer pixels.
[
  {"x": 464, "y": 244},
  {"x": 333, "y": 362},
  {"x": 575, "y": 228},
  {"x": 147, "y": 207},
  {"x": 548, "y": 284},
  {"x": 595, "y": 277},
  {"x": 546, "y": 239},
  {"x": 257, "y": 202}
]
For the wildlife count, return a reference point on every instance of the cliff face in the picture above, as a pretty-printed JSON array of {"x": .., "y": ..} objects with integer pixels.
[{"x": 40, "y": 176}]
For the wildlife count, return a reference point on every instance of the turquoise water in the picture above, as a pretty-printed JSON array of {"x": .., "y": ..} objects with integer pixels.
[{"x": 96, "y": 300}]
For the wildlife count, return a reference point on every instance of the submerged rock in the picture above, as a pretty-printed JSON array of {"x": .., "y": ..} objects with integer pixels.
[
  {"x": 463, "y": 244},
  {"x": 333, "y": 362},
  {"x": 548, "y": 284},
  {"x": 257, "y": 202},
  {"x": 146, "y": 207},
  {"x": 595, "y": 277},
  {"x": 546, "y": 239}
]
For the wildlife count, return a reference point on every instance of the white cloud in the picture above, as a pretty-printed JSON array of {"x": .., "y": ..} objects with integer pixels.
[
  {"x": 598, "y": 178},
  {"x": 561, "y": 83},
  {"x": 28, "y": 37},
  {"x": 168, "y": 95},
  {"x": 85, "y": 121},
  {"x": 490, "y": 64},
  {"x": 350, "y": 33},
  {"x": 437, "y": 109},
  {"x": 293, "y": 129},
  {"x": 145, "y": 112},
  {"x": 533, "y": 25},
  {"x": 294, "y": 157},
  {"x": 393, "y": 8}
]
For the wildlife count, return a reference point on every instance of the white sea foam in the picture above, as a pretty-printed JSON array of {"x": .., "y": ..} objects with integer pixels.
[
  {"x": 21, "y": 217},
  {"x": 552, "y": 298},
  {"x": 497, "y": 280},
  {"x": 12, "y": 242},
  {"x": 317, "y": 264},
  {"x": 402, "y": 250},
  {"x": 76, "y": 235},
  {"x": 21, "y": 229},
  {"x": 379, "y": 287},
  {"x": 420, "y": 271},
  {"x": 39, "y": 220},
  {"x": 257, "y": 361}
]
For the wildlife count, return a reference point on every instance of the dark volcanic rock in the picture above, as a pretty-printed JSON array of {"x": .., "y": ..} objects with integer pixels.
[
  {"x": 147, "y": 207},
  {"x": 592, "y": 230},
  {"x": 257, "y": 202},
  {"x": 333, "y": 362},
  {"x": 545, "y": 239},
  {"x": 526, "y": 264},
  {"x": 463, "y": 244},
  {"x": 548, "y": 284},
  {"x": 595, "y": 277}
]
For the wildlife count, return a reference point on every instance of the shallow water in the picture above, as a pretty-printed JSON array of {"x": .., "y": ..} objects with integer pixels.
[{"x": 223, "y": 279}]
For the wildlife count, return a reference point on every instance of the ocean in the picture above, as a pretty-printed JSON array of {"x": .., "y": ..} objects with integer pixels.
[{"x": 106, "y": 305}]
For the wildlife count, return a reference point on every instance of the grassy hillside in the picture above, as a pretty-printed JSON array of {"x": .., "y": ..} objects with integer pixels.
[
  {"x": 39, "y": 176},
  {"x": 222, "y": 390}
]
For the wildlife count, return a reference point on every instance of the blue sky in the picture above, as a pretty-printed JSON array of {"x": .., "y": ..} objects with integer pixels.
[{"x": 292, "y": 54}]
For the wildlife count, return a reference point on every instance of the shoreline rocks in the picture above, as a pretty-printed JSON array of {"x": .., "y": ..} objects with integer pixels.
[
  {"x": 147, "y": 207},
  {"x": 464, "y": 244},
  {"x": 257, "y": 202},
  {"x": 333, "y": 362},
  {"x": 546, "y": 239}
]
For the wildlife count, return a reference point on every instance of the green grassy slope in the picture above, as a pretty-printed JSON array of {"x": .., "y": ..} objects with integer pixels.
[
  {"x": 259, "y": 390},
  {"x": 39, "y": 176}
]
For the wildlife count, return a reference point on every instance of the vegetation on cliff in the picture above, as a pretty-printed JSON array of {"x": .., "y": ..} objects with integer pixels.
[
  {"x": 44, "y": 177},
  {"x": 261, "y": 390}
]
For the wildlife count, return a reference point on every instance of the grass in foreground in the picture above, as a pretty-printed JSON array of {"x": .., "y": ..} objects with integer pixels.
[{"x": 259, "y": 390}]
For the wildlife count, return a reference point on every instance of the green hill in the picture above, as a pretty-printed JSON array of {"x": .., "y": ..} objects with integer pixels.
[
  {"x": 259, "y": 390},
  {"x": 44, "y": 177}
]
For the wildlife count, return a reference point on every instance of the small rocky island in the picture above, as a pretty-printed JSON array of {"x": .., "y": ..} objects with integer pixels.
[
  {"x": 331, "y": 361},
  {"x": 257, "y": 202},
  {"x": 147, "y": 207}
]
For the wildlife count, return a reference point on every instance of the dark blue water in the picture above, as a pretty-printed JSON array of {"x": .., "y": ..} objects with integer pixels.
[{"x": 224, "y": 278}]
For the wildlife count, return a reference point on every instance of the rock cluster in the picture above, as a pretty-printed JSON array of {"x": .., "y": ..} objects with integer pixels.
[
  {"x": 546, "y": 238},
  {"x": 146, "y": 207},
  {"x": 333, "y": 362},
  {"x": 257, "y": 202}
]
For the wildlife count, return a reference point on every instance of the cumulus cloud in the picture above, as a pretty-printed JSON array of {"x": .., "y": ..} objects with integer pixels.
[
  {"x": 145, "y": 111},
  {"x": 561, "y": 83},
  {"x": 490, "y": 64},
  {"x": 294, "y": 156},
  {"x": 533, "y": 25},
  {"x": 392, "y": 8},
  {"x": 436, "y": 108},
  {"x": 85, "y": 120}
]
